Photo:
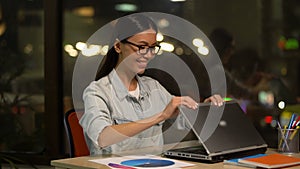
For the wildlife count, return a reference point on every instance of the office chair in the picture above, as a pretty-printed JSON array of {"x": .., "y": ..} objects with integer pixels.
[{"x": 78, "y": 146}]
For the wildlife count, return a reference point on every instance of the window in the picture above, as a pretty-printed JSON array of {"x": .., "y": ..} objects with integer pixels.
[{"x": 22, "y": 101}]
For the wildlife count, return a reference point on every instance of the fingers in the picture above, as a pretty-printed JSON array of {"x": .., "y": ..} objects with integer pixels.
[
  {"x": 171, "y": 109},
  {"x": 189, "y": 102},
  {"x": 215, "y": 100}
]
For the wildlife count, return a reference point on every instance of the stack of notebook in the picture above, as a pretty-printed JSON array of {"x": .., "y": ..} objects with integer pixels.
[{"x": 265, "y": 161}]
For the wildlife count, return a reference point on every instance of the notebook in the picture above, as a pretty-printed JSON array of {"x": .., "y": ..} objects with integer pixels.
[
  {"x": 272, "y": 161},
  {"x": 235, "y": 161},
  {"x": 224, "y": 132}
]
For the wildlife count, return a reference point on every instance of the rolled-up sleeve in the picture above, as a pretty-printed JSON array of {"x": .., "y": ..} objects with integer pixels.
[
  {"x": 107, "y": 102},
  {"x": 97, "y": 115}
]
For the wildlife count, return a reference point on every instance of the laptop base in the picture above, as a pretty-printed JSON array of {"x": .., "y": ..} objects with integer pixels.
[{"x": 190, "y": 156}]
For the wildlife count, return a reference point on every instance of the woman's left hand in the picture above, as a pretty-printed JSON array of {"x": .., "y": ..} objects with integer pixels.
[{"x": 215, "y": 99}]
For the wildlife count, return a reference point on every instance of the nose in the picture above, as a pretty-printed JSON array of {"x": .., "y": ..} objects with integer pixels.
[{"x": 149, "y": 54}]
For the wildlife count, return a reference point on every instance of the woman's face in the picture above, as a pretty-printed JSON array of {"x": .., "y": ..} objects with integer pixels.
[{"x": 132, "y": 56}]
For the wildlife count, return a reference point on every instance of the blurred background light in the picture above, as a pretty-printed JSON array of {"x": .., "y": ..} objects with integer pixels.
[
  {"x": 126, "y": 7},
  {"x": 198, "y": 42},
  {"x": 86, "y": 11},
  {"x": 80, "y": 45},
  {"x": 163, "y": 23},
  {"x": 203, "y": 50},
  {"x": 159, "y": 37},
  {"x": 179, "y": 51},
  {"x": 167, "y": 46},
  {"x": 281, "y": 105},
  {"x": 177, "y": 0}
]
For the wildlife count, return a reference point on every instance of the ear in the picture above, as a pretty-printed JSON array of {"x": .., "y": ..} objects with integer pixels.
[{"x": 117, "y": 46}]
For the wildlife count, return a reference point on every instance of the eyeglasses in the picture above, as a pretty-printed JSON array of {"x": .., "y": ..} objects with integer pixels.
[{"x": 144, "y": 49}]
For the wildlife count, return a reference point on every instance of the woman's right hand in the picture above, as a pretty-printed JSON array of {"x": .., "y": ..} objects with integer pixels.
[{"x": 171, "y": 109}]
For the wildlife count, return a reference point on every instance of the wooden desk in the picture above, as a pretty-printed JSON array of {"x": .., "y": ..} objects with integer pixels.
[{"x": 84, "y": 163}]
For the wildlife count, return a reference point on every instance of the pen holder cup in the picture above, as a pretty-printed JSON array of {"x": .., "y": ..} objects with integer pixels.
[{"x": 288, "y": 141}]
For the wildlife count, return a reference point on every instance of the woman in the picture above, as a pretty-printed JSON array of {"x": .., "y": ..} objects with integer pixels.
[{"x": 124, "y": 111}]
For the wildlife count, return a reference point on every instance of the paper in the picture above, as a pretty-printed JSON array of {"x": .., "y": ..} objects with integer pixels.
[{"x": 122, "y": 162}]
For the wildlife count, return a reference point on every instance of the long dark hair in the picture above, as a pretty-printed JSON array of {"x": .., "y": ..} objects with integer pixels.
[{"x": 125, "y": 27}]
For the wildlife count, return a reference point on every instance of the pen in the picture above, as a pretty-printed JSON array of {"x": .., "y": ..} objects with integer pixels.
[
  {"x": 294, "y": 133},
  {"x": 282, "y": 136},
  {"x": 291, "y": 121},
  {"x": 114, "y": 165},
  {"x": 290, "y": 125},
  {"x": 296, "y": 122}
]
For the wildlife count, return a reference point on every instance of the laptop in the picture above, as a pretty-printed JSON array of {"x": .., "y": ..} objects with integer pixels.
[{"x": 224, "y": 132}]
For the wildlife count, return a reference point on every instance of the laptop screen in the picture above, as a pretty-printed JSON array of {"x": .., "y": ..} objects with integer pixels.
[{"x": 223, "y": 128}]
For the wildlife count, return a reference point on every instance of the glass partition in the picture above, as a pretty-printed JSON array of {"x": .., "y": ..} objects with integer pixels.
[
  {"x": 265, "y": 41},
  {"x": 22, "y": 76}
]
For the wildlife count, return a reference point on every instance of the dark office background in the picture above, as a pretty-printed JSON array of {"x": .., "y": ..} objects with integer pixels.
[{"x": 38, "y": 53}]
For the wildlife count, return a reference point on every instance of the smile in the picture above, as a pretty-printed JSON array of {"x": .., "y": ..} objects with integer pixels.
[{"x": 142, "y": 64}]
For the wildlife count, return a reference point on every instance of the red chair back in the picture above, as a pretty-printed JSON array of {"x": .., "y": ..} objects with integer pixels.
[{"x": 78, "y": 146}]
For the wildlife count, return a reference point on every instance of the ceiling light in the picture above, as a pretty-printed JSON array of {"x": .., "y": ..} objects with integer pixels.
[
  {"x": 177, "y": 0},
  {"x": 125, "y": 7},
  {"x": 86, "y": 11}
]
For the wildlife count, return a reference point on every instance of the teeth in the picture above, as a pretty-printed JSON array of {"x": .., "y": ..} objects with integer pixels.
[{"x": 141, "y": 61}]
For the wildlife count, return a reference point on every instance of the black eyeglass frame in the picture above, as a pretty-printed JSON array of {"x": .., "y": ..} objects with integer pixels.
[{"x": 146, "y": 47}]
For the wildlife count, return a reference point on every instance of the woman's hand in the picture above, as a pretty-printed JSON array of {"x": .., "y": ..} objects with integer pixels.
[
  {"x": 171, "y": 109},
  {"x": 215, "y": 99}
]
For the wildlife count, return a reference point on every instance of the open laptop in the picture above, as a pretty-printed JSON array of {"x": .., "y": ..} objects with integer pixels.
[{"x": 223, "y": 132}]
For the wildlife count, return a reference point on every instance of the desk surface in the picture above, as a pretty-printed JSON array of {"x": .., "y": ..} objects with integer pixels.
[{"x": 84, "y": 163}]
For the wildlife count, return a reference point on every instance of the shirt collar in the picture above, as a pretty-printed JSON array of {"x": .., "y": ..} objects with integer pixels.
[
  {"x": 144, "y": 90},
  {"x": 120, "y": 90}
]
